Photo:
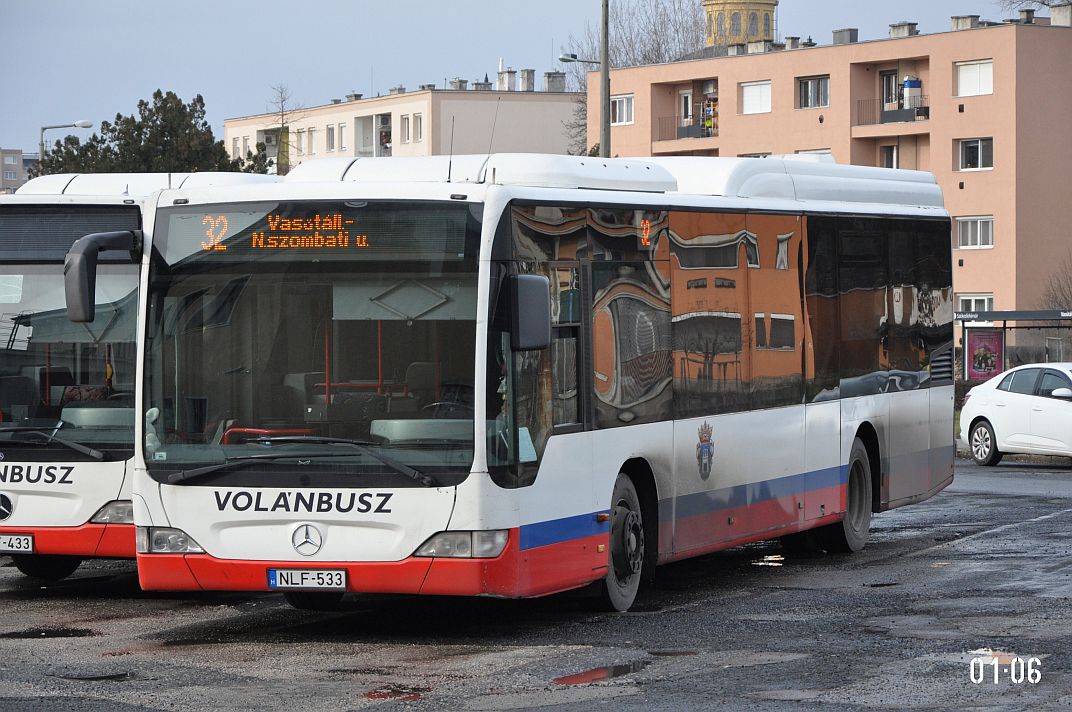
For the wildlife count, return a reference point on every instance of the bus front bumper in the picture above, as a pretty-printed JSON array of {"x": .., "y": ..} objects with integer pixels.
[{"x": 112, "y": 541}]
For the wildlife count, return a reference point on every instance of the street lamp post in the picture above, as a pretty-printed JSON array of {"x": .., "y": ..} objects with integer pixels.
[
  {"x": 82, "y": 124},
  {"x": 604, "y": 80}
]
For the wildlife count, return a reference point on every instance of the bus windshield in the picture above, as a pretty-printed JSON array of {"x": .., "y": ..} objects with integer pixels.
[{"x": 326, "y": 343}]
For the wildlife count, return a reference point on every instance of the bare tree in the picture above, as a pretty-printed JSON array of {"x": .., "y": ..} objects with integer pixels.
[
  {"x": 641, "y": 32},
  {"x": 1027, "y": 4},
  {"x": 286, "y": 111},
  {"x": 1057, "y": 294}
]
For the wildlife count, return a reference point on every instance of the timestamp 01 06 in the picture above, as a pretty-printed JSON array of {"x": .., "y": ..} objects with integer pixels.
[{"x": 1018, "y": 670}]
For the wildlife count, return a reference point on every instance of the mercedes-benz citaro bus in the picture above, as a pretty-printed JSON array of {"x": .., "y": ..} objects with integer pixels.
[
  {"x": 67, "y": 406},
  {"x": 514, "y": 375}
]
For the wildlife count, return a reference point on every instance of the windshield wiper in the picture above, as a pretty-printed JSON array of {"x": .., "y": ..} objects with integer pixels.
[
  {"x": 186, "y": 475},
  {"x": 50, "y": 437},
  {"x": 361, "y": 446}
]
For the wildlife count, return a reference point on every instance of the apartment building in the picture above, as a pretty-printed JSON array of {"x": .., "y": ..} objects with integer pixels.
[
  {"x": 981, "y": 107},
  {"x": 13, "y": 172},
  {"x": 509, "y": 115}
]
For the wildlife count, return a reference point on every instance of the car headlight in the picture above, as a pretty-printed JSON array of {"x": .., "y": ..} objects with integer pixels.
[
  {"x": 465, "y": 545},
  {"x": 165, "y": 540},
  {"x": 121, "y": 511}
]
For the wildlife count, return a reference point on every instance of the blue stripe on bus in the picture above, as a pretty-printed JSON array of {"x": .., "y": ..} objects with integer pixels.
[
  {"x": 699, "y": 503},
  {"x": 556, "y": 531}
]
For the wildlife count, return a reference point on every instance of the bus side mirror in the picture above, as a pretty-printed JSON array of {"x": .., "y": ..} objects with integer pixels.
[
  {"x": 80, "y": 269},
  {"x": 530, "y": 312}
]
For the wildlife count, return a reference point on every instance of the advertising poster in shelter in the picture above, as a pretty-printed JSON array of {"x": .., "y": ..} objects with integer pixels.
[{"x": 984, "y": 356}]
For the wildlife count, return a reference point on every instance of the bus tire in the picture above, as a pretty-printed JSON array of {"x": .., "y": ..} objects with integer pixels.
[
  {"x": 46, "y": 568},
  {"x": 984, "y": 444},
  {"x": 314, "y": 600},
  {"x": 627, "y": 548},
  {"x": 850, "y": 534}
]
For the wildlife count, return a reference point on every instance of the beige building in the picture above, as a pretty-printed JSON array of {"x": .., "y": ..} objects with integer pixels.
[
  {"x": 505, "y": 117},
  {"x": 981, "y": 107},
  {"x": 14, "y": 169}
]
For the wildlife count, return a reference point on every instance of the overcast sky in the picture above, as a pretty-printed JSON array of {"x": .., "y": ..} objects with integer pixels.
[{"x": 64, "y": 60}]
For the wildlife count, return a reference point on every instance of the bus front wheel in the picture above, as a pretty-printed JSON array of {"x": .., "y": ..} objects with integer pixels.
[
  {"x": 627, "y": 547},
  {"x": 850, "y": 534},
  {"x": 46, "y": 568}
]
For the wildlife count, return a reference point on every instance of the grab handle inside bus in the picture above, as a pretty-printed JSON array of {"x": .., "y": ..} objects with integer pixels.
[
  {"x": 530, "y": 299},
  {"x": 80, "y": 269}
]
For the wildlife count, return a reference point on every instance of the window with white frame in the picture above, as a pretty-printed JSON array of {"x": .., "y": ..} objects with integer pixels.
[
  {"x": 781, "y": 261},
  {"x": 329, "y": 138},
  {"x": 755, "y": 97},
  {"x": 685, "y": 102},
  {"x": 311, "y": 146},
  {"x": 418, "y": 128},
  {"x": 976, "y": 154},
  {"x": 11, "y": 160},
  {"x": 245, "y": 146},
  {"x": 761, "y": 330},
  {"x": 621, "y": 109},
  {"x": 975, "y": 302},
  {"x": 813, "y": 92},
  {"x": 300, "y": 142},
  {"x": 342, "y": 137},
  {"x": 975, "y": 232},
  {"x": 10, "y": 175},
  {"x": 975, "y": 78},
  {"x": 405, "y": 128},
  {"x": 782, "y": 331},
  {"x": 234, "y": 147}
]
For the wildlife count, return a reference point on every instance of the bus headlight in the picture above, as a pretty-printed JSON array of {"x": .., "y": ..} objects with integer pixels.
[
  {"x": 121, "y": 511},
  {"x": 164, "y": 540},
  {"x": 465, "y": 545}
]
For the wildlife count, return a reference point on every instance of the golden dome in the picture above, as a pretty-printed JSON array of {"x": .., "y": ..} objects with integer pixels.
[{"x": 739, "y": 21}]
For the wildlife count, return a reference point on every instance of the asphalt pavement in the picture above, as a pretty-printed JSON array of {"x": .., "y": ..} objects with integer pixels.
[{"x": 981, "y": 572}]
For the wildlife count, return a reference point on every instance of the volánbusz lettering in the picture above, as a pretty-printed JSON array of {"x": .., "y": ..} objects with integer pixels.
[
  {"x": 308, "y": 502},
  {"x": 36, "y": 474}
]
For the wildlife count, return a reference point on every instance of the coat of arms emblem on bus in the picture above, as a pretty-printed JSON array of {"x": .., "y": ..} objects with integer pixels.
[{"x": 705, "y": 450}]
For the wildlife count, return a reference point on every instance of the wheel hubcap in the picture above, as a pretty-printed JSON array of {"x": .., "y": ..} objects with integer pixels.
[
  {"x": 981, "y": 443},
  {"x": 857, "y": 506},
  {"x": 627, "y": 547}
]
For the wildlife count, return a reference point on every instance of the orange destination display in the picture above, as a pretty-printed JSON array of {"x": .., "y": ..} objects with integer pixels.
[{"x": 315, "y": 231}]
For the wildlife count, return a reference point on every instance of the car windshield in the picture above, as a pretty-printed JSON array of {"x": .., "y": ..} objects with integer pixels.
[
  {"x": 71, "y": 382},
  {"x": 333, "y": 341}
]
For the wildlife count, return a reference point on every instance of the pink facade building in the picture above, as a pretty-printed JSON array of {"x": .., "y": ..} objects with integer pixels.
[{"x": 982, "y": 107}]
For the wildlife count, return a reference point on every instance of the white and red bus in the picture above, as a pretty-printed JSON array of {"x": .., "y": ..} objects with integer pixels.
[
  {"x": 514, "y": 375},
  {"x": 67, "y": 406}
]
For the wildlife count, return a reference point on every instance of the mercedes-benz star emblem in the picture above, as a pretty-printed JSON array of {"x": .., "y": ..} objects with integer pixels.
[
  {"x": 6, "y": 507},
  {"x": 307, "y": 539}
]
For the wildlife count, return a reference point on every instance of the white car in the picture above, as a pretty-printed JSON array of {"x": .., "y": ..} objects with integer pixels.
[{"x": 1027, "y": 409}]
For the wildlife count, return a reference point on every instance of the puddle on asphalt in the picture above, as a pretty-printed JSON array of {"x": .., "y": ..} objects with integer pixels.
[
  {"x": 1003, "y": 658},
  {"x": 96, "y": 678},
  {"x": 601, "y": 673},
  {"x": 884, "y": 584},
  {"x": 772, "y": 560},
  {"x": 31, "y": 633},
  {"x": 184, "y": 642},
  {"x": 672, "y": 653},
  {"x": 397, "y": 692}
]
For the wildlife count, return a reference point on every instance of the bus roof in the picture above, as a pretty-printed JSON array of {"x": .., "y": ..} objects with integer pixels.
[
  {"x": 779, "y": 178},
  {"x": 133, "y": 184}
]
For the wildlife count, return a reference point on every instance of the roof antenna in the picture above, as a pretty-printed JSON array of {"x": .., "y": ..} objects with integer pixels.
[
  {"x": 494, "y": 121},
  {"x": 450, "y": 160}
]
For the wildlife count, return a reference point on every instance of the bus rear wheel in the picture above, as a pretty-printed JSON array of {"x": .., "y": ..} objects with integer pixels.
[
  {"x": 46, "y": 568},
  {"x": 850, "y": 534},
  {"x": 627, "y": 547},
  {"x": 314, "y": 600}
]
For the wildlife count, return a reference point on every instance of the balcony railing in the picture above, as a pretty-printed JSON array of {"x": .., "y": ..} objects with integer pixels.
[
  {"x": 876, "y": 111},
  {"x": 675, "y": 127}
]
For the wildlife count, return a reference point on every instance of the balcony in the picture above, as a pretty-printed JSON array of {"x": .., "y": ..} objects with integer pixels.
[
  {"x": 672, "y": 128},
  {"x": 874, "y": 111}
]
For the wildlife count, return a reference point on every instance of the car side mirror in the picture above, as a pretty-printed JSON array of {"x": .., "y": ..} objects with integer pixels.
[{"x": 1062, "y": 393}]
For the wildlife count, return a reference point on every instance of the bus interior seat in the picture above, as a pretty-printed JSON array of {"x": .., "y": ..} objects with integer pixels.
[
  {"x": 300, "y": 389},
  {"x": 421, "y": 382}
]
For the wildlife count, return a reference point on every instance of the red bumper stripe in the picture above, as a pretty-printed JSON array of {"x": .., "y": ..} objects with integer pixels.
[{"x": 105, "y": 540}]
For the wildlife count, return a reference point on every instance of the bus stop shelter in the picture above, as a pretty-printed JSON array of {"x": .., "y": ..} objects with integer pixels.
[{"x": 985, "y": 344}]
